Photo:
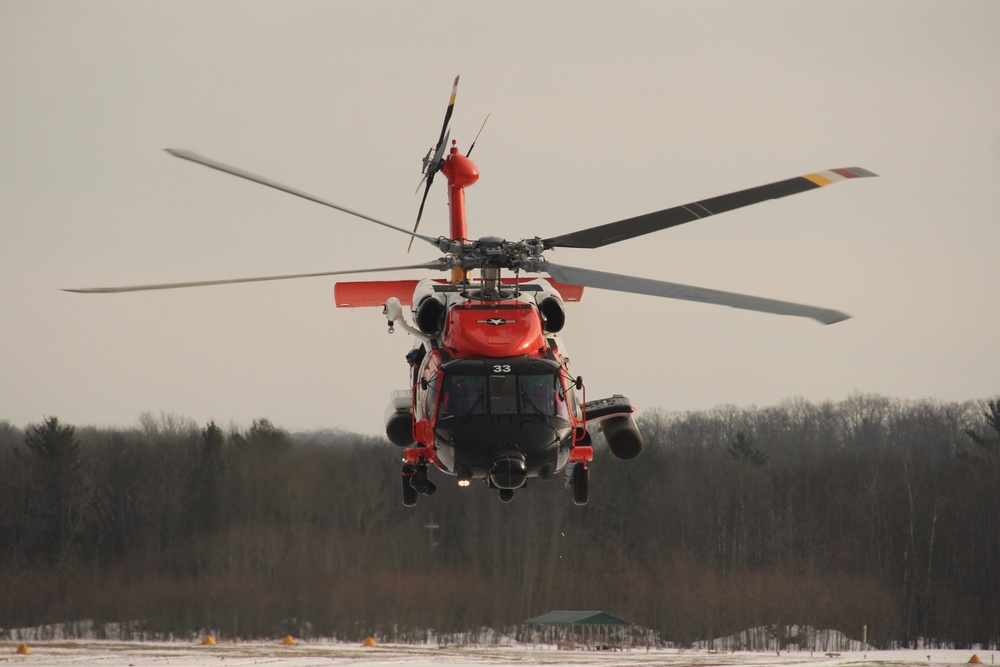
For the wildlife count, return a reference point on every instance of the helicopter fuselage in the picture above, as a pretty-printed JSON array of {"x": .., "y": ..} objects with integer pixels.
[{"x": 492, "y": 396}]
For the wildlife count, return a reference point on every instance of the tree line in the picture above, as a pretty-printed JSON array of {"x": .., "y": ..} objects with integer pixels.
[{"x": 865, "y": 512}]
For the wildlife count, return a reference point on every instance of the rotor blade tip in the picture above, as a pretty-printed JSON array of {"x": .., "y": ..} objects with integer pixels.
[{"x": 832, "y": 317}]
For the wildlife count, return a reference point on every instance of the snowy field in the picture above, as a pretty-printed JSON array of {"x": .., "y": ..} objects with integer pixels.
[{"x": 145, "y": 654}]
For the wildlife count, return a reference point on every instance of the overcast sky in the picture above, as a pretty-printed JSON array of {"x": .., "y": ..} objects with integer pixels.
[{"x": 598, "y": 111}]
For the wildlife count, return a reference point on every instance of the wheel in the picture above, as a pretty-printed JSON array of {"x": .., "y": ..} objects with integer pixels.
[
  {"x": 581, "y": 484},
  {"x": 506, "y": 495},
  {"x": 419, "y": 479},
  {"x": 409, "y": 493}
]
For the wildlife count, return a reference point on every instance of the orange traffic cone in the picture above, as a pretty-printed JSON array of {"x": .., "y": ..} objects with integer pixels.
[
  {"x": 288, "y": 641},
  {"x": 209, "y": 640},
  {"x": 368, "y": 642},
  {"x": 23, "y": 650},
  {"x": 974, "y": 660}
]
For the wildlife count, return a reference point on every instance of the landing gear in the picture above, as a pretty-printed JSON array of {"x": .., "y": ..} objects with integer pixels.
[
  {"x": 414, "y": 481},
  {"x": 409, "y": 493},
  {"x": 420, "y": 482},
  {"x": 506, "y": 495},
  {"x": 581, "y": 483}
]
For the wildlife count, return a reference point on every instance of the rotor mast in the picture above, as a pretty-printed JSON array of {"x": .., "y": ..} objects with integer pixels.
[{"x": 461, "y": 172}]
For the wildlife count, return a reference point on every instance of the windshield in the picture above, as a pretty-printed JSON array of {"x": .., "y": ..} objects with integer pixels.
[{"x": 510, "y": 394}]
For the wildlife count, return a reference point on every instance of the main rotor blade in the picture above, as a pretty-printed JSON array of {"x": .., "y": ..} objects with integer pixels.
[
  {"x": 441, "y": 266},
  {"x": 420, "y": 211},
  {"x": 242, "y": 173},
  {"x": 621, "y": 283},
  {"x": 447, "y": 115},
  {"x": 473, "y": 144},
  {"x": 613, "y": 232}
]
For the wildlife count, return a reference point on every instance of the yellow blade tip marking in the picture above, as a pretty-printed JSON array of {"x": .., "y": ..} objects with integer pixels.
[{"x": 818, "y": 179}]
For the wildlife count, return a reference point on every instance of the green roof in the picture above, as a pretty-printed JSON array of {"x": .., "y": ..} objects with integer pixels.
[{"x": 578, "y": 618}]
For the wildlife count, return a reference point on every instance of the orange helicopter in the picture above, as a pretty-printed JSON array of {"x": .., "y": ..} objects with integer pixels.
[{"x": 490, "y": 393}]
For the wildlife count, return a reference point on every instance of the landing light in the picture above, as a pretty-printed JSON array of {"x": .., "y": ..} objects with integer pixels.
[
  {"x": 464, "y": 482},
  {"x": 464, "y": 477}
]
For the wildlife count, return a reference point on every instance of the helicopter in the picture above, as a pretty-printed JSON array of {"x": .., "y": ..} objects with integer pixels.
[{"x": 490, "y": 393}]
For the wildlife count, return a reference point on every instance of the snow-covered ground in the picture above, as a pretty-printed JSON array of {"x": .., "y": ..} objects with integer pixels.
[{"x": 304, "y": 654}]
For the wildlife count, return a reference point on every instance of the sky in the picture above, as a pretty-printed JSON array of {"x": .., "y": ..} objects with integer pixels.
[{"x": 597, "y": 112}]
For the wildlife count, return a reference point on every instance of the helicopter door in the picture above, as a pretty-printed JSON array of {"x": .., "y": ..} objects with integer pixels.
[{"x": 427, "y": 388}]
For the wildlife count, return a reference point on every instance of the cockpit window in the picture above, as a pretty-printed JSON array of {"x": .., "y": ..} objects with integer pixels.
[
  {"x": 462, "y": 395},
  {"x": 503, "y": 395},
  {"x": 538, "y": 395},
  {"x": 541, "y": 395}
]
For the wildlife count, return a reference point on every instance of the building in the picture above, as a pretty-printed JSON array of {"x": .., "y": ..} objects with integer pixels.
[{"x": 585, "y": 629}]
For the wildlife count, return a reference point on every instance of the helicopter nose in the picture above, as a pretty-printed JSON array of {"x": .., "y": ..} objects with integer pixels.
[{"x": 509, "y": 471}]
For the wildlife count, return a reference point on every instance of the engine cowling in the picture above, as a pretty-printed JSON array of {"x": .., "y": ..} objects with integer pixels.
[
  {"x": 553, "y": 314},
  {"x": 429, "y": 315},
  {"x": 623, "y": 437}
]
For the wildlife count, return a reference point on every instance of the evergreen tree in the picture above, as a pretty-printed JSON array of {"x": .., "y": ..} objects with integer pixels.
[
  {"x": 208, "y": 478},
  {"x": 742, "y": 450},
  {"x": 57, "y": 455},
  {"x": 990, "y": 444}
]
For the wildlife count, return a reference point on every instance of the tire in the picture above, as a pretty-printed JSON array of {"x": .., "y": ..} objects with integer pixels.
[
  {"x": 409, "y": 493},
  {"x": 581, "y": 484}
]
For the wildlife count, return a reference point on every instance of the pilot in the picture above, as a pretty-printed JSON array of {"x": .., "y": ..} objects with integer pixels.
[
  {"x": 539, "y": 395},
  {"x": 461, "y": 399}
]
